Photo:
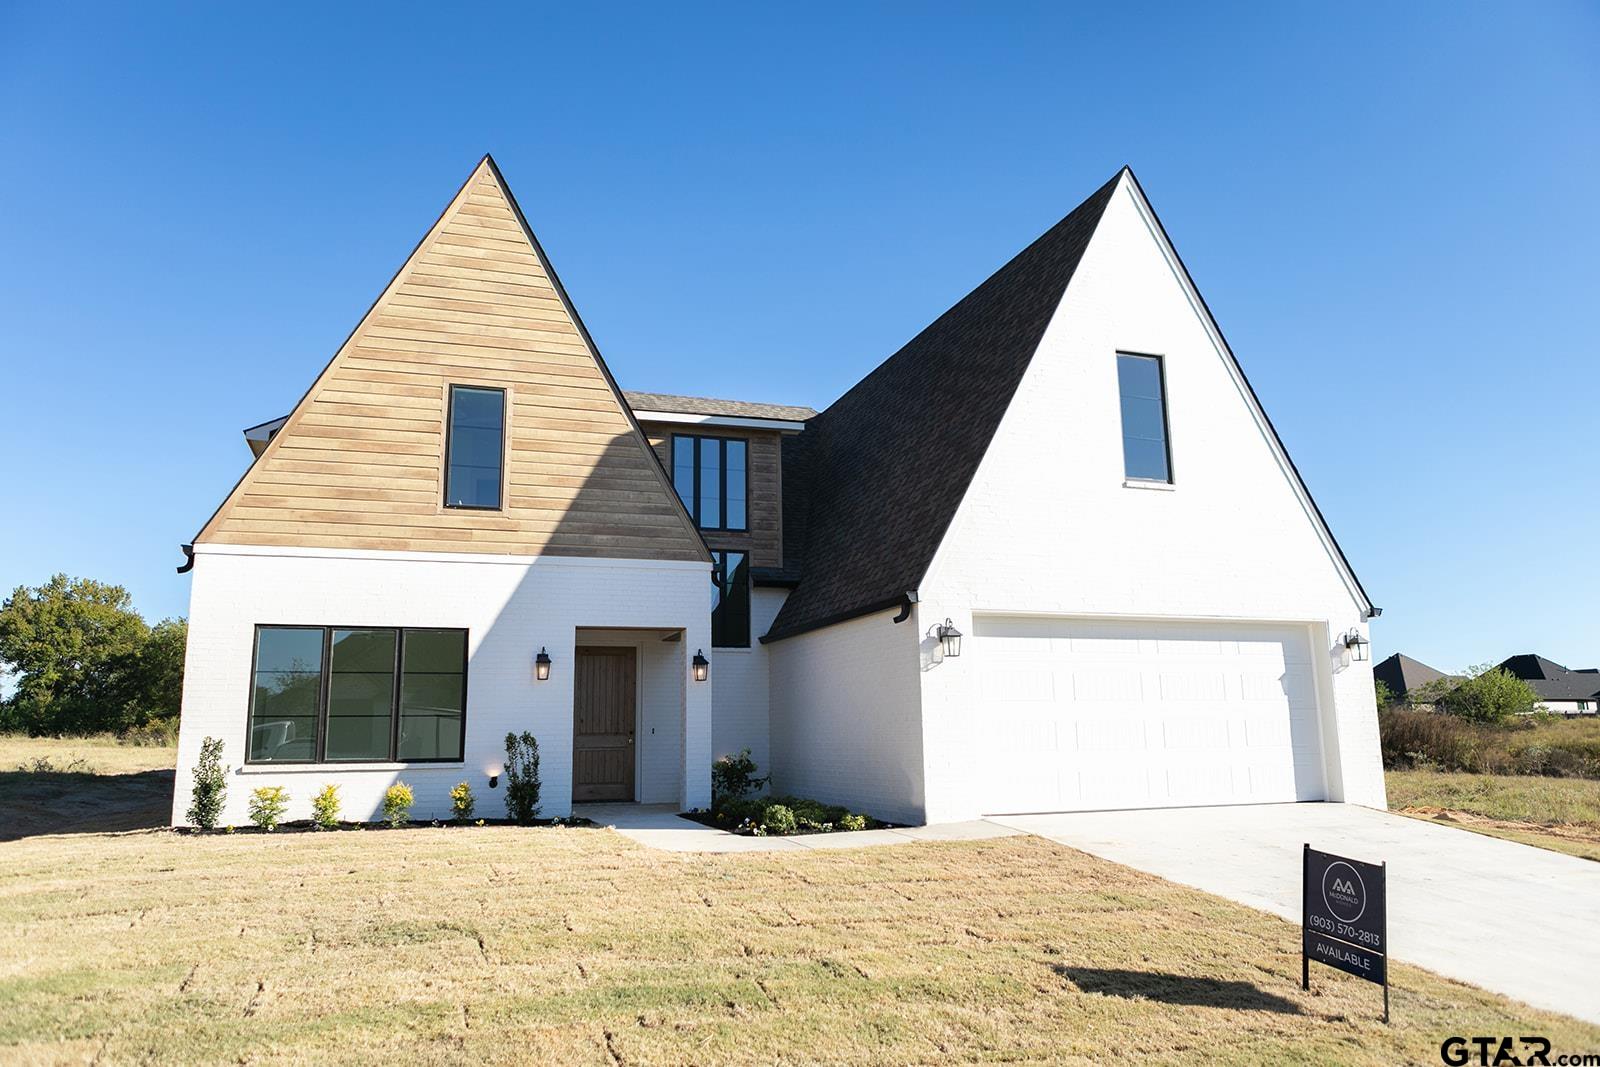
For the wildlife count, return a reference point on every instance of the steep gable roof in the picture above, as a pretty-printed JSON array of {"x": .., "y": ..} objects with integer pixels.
[
  {"x": 888, "y": 463},
  {"x": 358, "y": 462}
]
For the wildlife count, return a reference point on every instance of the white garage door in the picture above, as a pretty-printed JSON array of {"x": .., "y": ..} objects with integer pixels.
[{"x": 1079, "y": 714}]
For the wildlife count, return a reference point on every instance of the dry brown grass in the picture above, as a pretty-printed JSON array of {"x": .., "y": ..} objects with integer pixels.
[
  {"x": 75, "y": 784},
  {"x": 1562, "y": 814},
  {"x": 570, "y": 945}
]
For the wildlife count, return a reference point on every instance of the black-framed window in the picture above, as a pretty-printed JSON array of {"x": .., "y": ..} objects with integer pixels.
[
  {"x": 712, "y": 477},
  {"x": 1141, "y": 383},
  {"x": 323, "y": 694},
  {"x": 474, "y": 447},
  {"x": 730, "y": 600}
]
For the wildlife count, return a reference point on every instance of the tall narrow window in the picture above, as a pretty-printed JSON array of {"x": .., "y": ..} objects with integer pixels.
[
  {"x": 730, "y": 600},
  {"x": 286, "y": 696},
  {"x": 474, "y": 447},
  {"x": 1145, "y": 454},
  {"x": 711, "y": 475},
  {"x": 360, "y": 695},
  {"x": 433, "y": 694}
]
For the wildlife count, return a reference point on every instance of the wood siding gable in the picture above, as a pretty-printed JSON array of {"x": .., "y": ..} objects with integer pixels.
[{"x": 360, "y": 462}]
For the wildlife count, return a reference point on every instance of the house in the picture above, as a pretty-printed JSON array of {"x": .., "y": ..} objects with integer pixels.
[
  {"x": 1561, "y": 690},
  {"x": 1049, "y": 555},
  {"x": 1404, "y": 675}
]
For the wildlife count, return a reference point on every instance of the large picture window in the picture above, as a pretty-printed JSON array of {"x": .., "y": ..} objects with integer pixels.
[
  {"x": 1146, "y": 456},
  {"x": 474, "y": 448},
  {"x": 730, "y": 600},
  {"x": 337, "y": 695},
  {"x": 711, "y": 476}
]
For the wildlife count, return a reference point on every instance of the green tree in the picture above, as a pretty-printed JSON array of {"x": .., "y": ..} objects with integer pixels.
[
  {"x": 1382, "y": 691},
  {"x": 82, "y": 660},
  {"x": 1490, "y": 695}
]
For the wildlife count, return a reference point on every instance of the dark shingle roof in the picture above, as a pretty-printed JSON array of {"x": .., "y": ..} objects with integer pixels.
[
  {"x": 703, "y": 405},
  {"x": 889, "y": 462},
  {"x": 1402, "y": 674},
  {"x": 1551, "y": 680}
]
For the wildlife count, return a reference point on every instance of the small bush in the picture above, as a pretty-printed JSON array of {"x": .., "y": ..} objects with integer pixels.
[
  {"x": 397, "y": 801},
  {"x": 522, "y": 777},
  {"x": 210, "y": 785},
  {"x": 267, "y": 806},
  {"x": 734, "y": 778},
  {"x": 325, "y": 808},
  {"x": 853, "y": 822},
  {"x": 462, "y": 802},
  {"x": 1490, "y": 695},
  {"x": 779, "y": 819},
  {"x": 157, "y": 733}
]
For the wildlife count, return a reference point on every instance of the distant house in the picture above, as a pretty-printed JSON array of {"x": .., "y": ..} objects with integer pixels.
[
  {"x": 1561, "y": 690},
  {"x": 1404, "y": 675}
]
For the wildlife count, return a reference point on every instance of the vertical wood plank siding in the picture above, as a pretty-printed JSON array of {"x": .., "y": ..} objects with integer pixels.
[{"x": 359, "y": 464}]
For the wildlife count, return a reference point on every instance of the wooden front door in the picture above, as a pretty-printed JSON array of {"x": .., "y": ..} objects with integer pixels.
[{"x": 603, "y": 724}]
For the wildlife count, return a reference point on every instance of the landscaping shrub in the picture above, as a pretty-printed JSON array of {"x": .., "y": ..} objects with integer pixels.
[
  {"x": 267, "y": 806},
  {"x": 462, "y": 802},
  {"x": 734, "y": 778},
  {"x": 853, "y": 822},
  {"x": 210, "y": 785},
  {"x": 522, "y": 777},
  {"x": 779, "y": 819},
  {"x": 325, "y": 808},
  {"x": 397, "y": 801}
]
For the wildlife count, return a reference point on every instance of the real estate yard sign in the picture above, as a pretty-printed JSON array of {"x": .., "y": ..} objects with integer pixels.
[{"x": 1345, "y": 919}]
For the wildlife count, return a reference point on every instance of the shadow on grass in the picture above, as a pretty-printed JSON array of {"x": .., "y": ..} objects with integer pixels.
[
  {"x": 1176, "y": 989},
  {"x": 71, "y": 802}
]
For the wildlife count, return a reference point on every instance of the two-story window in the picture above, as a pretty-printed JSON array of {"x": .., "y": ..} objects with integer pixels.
[
  {"x": 730, "y": 600},
  {"x": 474, "y": 447},
  {"x": 323, "y": 694},
  {"x": 1142, "y": 386},
  {"x": 711, "y": 476}
]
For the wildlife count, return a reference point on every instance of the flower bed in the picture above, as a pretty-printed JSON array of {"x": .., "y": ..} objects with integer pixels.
[{"x": 781, "y": 816}]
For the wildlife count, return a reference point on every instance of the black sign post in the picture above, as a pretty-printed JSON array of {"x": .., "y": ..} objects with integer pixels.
[{"x": 1345, "y": 918}]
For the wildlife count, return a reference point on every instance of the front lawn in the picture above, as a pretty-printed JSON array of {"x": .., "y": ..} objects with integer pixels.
[
  {"x": 575, "y": 945},
  {"x": 1556, "y": 813}
]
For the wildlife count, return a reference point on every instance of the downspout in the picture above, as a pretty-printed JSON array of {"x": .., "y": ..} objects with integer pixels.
[
  {"x": 905, "y": 606},
  {"x": 188, "y": 550}
]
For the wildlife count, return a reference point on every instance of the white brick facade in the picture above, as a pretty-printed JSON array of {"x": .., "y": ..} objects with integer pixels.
[{"x": 510, "y": 607}]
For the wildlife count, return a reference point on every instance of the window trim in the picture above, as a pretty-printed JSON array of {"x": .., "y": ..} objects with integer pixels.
[
  {"x": 449, "y": 433},
  {"x": 722, "y": 479},
  {"x": 749, "y": 599},
  {"x": 319, "y": 747},
  {"x": 1166, "y": 423}
]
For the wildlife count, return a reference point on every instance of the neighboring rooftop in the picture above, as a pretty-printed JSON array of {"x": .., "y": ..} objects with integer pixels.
[
  {"x": 1551, "y": 680},
  {"x": 704, "y": 405},
  {"x": 1402, "y": 674}
]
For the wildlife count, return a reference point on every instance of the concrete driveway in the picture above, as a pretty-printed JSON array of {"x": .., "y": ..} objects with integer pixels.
[{"x": 1512, "y": 918}]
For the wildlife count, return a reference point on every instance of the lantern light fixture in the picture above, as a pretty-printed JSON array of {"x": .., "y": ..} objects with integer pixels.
[
  {"x": 702, "y": 666},
  {"x": 949, "y": 638},
  {"x": 1357, "y": 645},
  {"x": 541, "y": 665}
]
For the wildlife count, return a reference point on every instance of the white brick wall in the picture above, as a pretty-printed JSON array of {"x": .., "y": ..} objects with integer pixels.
[
  {"x": 511, "y": 606},
  {"x": 846, "y": 721},
  {"x": 739, "y": 702},
  {"x": 1048, "y": 526}
]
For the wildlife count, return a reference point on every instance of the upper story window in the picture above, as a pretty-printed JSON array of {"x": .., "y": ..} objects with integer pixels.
[
  {"x": 730, "y": 600},
  {"x": 327, "y": 695},
  {"x": 474, "y": 449},
  {"x": 712, "y": 479},
  {"x": 1146, "y": 456}
]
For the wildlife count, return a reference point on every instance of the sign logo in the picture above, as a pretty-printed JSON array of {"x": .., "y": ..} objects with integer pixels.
[{"x": 1343, "y": 891}]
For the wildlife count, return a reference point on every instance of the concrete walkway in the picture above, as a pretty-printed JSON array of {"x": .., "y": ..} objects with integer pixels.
[
  {"x": 660, "y": 826},
  {"x": 1515, "y": 919}
]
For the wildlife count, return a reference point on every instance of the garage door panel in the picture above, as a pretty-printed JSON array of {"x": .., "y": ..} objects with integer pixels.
[{"x": 1082, "y": 714}]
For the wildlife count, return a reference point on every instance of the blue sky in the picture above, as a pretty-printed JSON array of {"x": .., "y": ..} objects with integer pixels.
[{"x": 1390, "y": 208}]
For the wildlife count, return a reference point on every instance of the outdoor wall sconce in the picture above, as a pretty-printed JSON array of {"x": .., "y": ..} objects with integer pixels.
[
  {"x": 541, "y": 665},
  {"x": 1357, "y": 645},
  {"x": 702, "y": 666},
  {"x": 494, "y": 781},
  {"x": 949, "y": 638}
]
